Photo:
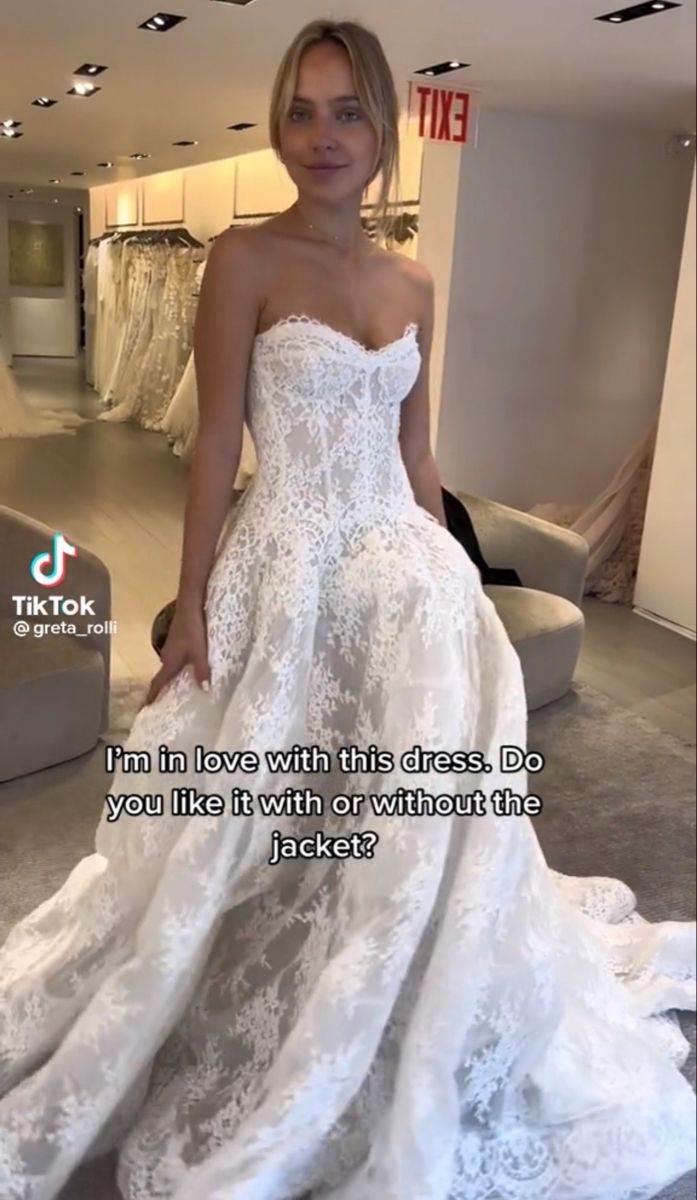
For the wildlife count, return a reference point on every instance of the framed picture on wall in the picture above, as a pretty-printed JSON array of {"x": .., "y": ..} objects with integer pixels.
[{"x": 36, "y": 254}]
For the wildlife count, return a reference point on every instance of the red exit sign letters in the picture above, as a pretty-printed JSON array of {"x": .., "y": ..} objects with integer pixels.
[{"x": 443, "y": 115}]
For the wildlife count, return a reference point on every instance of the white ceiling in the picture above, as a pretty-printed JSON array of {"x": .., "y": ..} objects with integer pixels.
[{"x": 216, "y": 68}]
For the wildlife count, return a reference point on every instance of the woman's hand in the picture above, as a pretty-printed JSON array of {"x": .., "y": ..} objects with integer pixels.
[{"x": 186, "y": 643}]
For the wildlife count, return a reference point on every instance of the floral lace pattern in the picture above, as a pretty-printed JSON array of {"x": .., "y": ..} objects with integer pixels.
[
  {"x": 144, "y": 327},
  {"x": 450, "y": 1020}
]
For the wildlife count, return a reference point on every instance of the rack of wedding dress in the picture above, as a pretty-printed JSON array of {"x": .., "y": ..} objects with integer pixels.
[
  {"x": 140, "y": 304},
  {"x": 18, "y": 419}
]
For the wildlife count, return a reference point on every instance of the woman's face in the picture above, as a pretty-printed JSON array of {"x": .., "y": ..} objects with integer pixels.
[{"x": 326, "y": 124}]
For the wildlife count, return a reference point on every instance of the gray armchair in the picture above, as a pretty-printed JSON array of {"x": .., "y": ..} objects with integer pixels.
[
  {"x": 543, "y": 618},
  {"x": 54, "y": 688}
]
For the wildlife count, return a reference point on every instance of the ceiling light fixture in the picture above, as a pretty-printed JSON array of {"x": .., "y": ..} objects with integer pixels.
[
  {"x": 90, "y": 69},
  {"x": 11, "y": 133},
  {"x": 84, "y": 89},
  {"x": 139, "y": 156},
  {"x": 9, "y": 124},
  {"x": 680, "y": 143},
  {"x": 77, "y": 172},
  {"x": 105, "y": 164},
  {"x": 55, "y": 181},
  {"x": 27, "y": 191},
  {"x": 185, "y": 143},
  {"x": 44, "y": 102},
  {"x": 442, "y": 68},
  {"x": 242, "y": 125},
  {"x": 622, "y": 15},
  {"x": 162, "y": 22}
]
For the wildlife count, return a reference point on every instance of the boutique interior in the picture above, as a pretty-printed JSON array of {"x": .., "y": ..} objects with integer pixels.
[{"x": 561, "y": 239}]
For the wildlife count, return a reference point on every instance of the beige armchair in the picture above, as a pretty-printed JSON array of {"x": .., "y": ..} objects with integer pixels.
[
  {"x": 54, "y": 688},
  {"x": 543, "y": 618}
]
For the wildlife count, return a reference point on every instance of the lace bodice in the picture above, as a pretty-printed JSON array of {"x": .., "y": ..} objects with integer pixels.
[{"x": 323, "y": 411}]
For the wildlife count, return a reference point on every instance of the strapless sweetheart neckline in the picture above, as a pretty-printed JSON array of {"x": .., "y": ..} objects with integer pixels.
[{"x": 302, "y": 319}]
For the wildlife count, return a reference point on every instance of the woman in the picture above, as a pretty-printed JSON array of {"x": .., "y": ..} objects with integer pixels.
[{"x": 432, "y": 1013}]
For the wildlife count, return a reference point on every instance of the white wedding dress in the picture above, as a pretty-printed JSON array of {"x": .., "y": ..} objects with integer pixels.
[
  {"x": 19, "y": 420},
  {"x": 447, "y": 1020}
]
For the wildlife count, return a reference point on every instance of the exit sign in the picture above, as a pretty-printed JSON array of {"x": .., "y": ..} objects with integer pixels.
[{"x": 441, "y": 114}]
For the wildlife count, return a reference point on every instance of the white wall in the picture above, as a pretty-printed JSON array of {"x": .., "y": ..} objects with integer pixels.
[
  {"x": 211, "y": 196},
  {"x": 438, "y": 223},
  {"x": 665, "y": 583},
  {"x": 44, "y": 321},
  {"x": 5, "y": 321},
  {"x": 566, "y": 256}
]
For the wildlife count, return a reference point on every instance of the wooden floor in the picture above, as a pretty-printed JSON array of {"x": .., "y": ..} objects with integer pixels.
[{"x": 120, "y": 491}]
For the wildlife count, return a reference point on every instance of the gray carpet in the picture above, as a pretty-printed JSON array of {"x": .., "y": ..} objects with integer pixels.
[{"x": 619, "y": 801}]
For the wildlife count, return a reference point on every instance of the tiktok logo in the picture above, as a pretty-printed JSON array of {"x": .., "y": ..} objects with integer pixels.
[{"x": 48, "y": 568}]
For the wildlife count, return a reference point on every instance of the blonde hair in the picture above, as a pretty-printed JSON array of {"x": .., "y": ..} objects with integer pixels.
[{"x": 376, "y": 91}]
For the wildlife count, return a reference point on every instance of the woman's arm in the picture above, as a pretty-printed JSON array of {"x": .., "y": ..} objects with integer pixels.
[
  {"x": 226, "y": 323},
  {"x": 414, "y": 430},
  {"x": 225, "y": 326}
]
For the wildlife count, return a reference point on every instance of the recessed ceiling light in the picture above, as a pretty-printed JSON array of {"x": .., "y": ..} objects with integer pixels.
[
  {"x": 139, "y": 156},
  {"x": 162, "y": 22},
  {"x": 105, "y": 164},
  {"x": 55, "y": 181},
  {"x": 242, "y": 125},
  {"x": 84, "y": 89},
  {"x": 54, "y": 201},
  {"x": 44, "y": 102},
  {"x": 185, "y": 143},
  {"x": 621, "y": 15},
  {"x": 77, "y": 172},
  {"x": 441, "y": 68},
  {"x": 11, "y": 133},
  {"x": 9, "y": 124},
  {"x": 240, "y": 2},
  {"x": 27, "y": 191},
  {"x": 90, "y": 69}
]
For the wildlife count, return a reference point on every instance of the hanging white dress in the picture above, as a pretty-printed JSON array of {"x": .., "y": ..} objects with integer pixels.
[
  {"x": 180, "y": 423},
  {"x": 424, "y": 1011},
  {"x": 90, "y": 283},
  {"x": 156, "y": 312},
  {"x": 604, "y": 523}
]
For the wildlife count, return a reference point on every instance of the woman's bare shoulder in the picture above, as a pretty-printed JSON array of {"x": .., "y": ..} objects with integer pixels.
[
  {"x": 238, "y": 240},
  {"x": 417, "y": 272},
  {"x": 412, "y": 279},
  {"x": 244, "y": 249}
]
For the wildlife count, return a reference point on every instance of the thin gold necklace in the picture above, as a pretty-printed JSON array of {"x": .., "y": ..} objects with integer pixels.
[{"x": 337, "y": 238}]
